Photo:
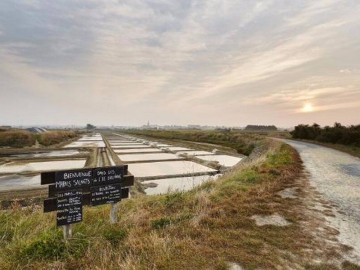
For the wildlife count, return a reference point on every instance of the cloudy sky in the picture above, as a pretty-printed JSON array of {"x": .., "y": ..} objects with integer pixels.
[{"x": 183, "y": 62}]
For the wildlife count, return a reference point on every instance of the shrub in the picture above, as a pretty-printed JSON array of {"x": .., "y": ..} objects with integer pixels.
[
  {"x": 16, "y": 138},
  {"x": 115, "y": 235},
  {"x": 55, "y": 137},
  {"x": 160, "y": 223}
]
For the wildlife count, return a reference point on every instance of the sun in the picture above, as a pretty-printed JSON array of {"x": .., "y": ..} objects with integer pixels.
[{"x": 307, "y": 107}]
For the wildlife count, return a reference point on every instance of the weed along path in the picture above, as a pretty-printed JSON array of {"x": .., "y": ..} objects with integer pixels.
[{"x": 336, "y": 176}]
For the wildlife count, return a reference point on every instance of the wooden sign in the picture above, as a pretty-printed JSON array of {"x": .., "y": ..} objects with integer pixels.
[
  {"x": 108, "y": 175},
  {"x": 105, "y": 194},
  {"x": 69, "y": 207},
  {"x": 70, "y": 190},
  {"x": 74, "y": 179}
]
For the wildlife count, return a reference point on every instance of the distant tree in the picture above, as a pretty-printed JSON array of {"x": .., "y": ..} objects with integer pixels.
[
  {"x": 337, "y": 134},
  {"x": 90, "y": 126}
]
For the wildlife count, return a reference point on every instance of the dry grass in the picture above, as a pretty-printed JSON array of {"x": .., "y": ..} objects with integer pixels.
[{"x": 17, "y": 138}]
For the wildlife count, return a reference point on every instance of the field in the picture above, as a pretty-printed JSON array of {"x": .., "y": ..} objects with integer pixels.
[{"x": 209, "y": 227}]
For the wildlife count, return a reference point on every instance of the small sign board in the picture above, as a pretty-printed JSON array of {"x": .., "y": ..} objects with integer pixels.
[
  {"x": 105, "y": 194},
  {"x": 74, "y": 179},
  {"x": 69, "y": 207},
  {"x": 108, "y": 175}
]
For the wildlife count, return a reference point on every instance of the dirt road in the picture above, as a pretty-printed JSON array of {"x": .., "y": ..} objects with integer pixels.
[{"x": 336, "y": 176}]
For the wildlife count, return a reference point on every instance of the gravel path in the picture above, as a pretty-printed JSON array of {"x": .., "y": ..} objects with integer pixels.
[{"x": 336, "y": 175}]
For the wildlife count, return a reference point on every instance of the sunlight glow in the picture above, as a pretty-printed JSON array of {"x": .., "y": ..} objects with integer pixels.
[{"x": 308, "y": 107}]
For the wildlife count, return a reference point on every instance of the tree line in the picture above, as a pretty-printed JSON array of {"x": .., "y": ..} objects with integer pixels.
[{"x": 339, "y": 134}]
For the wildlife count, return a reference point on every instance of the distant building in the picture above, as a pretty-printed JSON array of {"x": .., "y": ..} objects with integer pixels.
[
  {"x": 36, "y": 129},
  {"x": 261, "y": 128}
]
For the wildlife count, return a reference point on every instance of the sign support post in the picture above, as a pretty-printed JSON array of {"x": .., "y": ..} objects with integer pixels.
[
  {"x": 67, "y": 232},
  {"x": 113, "y": 216}
]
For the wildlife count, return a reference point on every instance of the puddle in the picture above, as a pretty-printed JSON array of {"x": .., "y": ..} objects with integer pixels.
[
  {"x": 195, "y": 153},
  {"x": 120, "y": 141},
  {"x": 16, "y": 182},
  {"x": 130, "y": 146},
  {"x": 166, "y": 185},
  {"x": 79, "y": 144},
  {"x": 288, "y": 193},
  {"x": 235, "y": 266},
  {"x": 62, "y": 153},
  {"x": 167, "y": 168},
  {"x": 137, "y": 150},
  {"x": 91, "y": 138},
  {"x": 13, "y": 167},
  {"x": 274, "y": 219},
  {"x": 351, "y": 169},
  {"x": 162, "y": 145},
  {"x": 178, "y": 148},
  {"x": 224, "y": 160},
  {"x": 125, "y": 143},
  {"x": 140, "y": 157}
]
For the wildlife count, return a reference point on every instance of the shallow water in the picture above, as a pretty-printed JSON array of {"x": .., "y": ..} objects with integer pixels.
[
  {"x": 80, "y": 144},
  {"x": 130, "y": 146},
  {"x": 224, "y": 160},
  {"x": 195, "y": 153},
  {"x": 61, "y": 153},
  {"x": 125, "y": 143},
  {"x": 119, "y": 151},
  {"x": 167, "y": 168},
  {"x": 14, "y": 167},
  {"x": 178, "y": 148},
  {"x": 140, "y": 157},
  {"x": 176, "y": 184},
  {"x": 16, "y": 182}
]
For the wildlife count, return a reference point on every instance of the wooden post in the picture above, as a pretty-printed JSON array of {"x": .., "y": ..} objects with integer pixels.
[
  {"x": 113, "y": 216},
  {"x": 67, "y": 232}
]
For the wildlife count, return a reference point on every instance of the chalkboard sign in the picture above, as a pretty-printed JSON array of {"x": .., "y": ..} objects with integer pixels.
[
  {"x": 70, "y": 190},
  {"x": 67, "y": 180},
  {"x": 69, "y": 207},
  {"x": 108, "y": 175},
  {"x": 105, "y": 194}
]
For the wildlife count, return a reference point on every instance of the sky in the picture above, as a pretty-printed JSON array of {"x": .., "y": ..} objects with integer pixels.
[{"x": 225, "y": 63}]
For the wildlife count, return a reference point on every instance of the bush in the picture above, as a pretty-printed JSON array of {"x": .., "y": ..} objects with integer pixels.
[
  {"x": 55, "y": 137},
  {"x": 160, "y": 223},
  {"x": 47, "y": 246},
  {"x": 337, "y": 134},
  {"x": 50, "y": 245},
  {"x": 17, "y": 138},
  {"x": 115, "y": 235}
]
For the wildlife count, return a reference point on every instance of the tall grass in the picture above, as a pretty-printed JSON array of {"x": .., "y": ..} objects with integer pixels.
[
  {"x": 54, "y": 137},
  {"x": 17, "y": 138}
]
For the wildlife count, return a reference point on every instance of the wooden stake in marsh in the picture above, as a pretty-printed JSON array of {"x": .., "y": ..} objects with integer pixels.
[{"x": 70, "y": 190}]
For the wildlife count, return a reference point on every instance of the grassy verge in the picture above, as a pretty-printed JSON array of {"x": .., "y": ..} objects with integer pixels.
[
  {"x": 243, "y": 142},
  {"x": 202, "y": 229}
]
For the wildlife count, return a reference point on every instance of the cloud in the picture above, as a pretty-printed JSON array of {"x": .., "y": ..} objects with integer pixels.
[{"x": 165, "y": 57}]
